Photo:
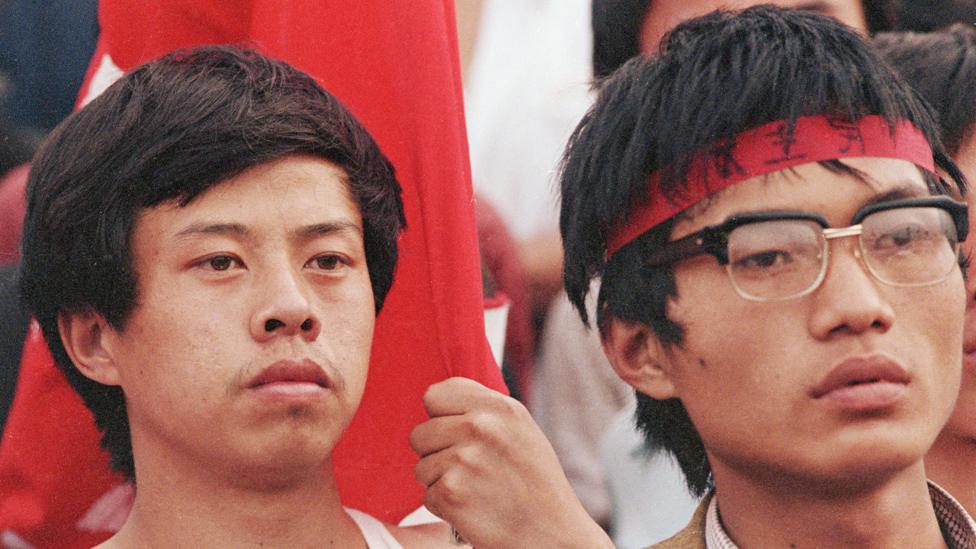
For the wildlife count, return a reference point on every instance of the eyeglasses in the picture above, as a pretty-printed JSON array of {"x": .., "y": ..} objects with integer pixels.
[{"x": 774, "y": 256}]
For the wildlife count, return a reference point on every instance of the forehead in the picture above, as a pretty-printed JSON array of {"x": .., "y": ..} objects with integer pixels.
[
  {"x": 285, "y": 193},
  {"x": 809, "y": 188},
  {"x": 664, "y": 15}
]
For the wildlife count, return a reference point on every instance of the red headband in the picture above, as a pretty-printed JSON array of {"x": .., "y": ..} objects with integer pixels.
[{"x": 770, "y": 148}]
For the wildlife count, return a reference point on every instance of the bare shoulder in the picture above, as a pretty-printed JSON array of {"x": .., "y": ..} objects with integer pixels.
[{"x": 435, "y": 535}]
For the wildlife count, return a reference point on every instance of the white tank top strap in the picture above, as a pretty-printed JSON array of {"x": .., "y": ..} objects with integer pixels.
[{"x": 374, "y": 531}]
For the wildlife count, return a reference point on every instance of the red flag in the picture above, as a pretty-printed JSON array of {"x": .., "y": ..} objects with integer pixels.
[{"x": 394, "y": 63}]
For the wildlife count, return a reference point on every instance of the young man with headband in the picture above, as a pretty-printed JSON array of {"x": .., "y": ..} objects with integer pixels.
[
  {"x": 206, "y": 247},
  {"x": 780, "y": 283}
]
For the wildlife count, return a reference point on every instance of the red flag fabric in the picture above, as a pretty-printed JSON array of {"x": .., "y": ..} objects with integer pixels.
[{"x": 394, "y": 63}]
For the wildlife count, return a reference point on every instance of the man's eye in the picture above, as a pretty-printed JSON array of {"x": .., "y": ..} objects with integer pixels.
[
  {"x": 328, "y": 262},
  {"x": 220, "y": 262},
  {"x": 765, "y": 260},
  {"x": 901, "y": 237}
]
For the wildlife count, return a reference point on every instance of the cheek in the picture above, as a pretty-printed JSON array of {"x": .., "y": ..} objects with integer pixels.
[
  {"x": 173, "y": 329},
  {"x": 938, "y": 339},
  {"x": 944, "y": 320},
  {"x": 348, "y": 321}
]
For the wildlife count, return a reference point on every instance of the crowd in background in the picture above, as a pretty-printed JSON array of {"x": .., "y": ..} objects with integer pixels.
[{"x": 529, "y": 70}]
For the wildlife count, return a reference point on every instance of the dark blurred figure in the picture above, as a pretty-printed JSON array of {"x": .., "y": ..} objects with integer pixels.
[
  {"x": 621, "y": 28},
  {"x": 502, "y": 273},
  {"x": 45, "y": 48},
  {"x": 929, "y": 15},
  {"x": 13, "y": 328}
]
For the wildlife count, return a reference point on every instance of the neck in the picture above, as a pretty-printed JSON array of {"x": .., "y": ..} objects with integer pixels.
[
  {"x": 769, "y": 512},
  {"x": 179, "y": 506},
  {"x": 951, "y": 463}
]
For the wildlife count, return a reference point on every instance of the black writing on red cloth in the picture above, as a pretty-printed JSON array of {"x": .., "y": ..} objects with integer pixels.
[
  {"x": 724, "y": 160},
  {"x": 783, "y": 139},
  {"x": 849, "y": 134}
]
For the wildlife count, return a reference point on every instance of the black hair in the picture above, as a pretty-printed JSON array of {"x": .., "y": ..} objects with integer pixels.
[
  {"x": 941, "y": 66},
  {"x": 715, "y": 77},
  {"x": 617, "y": 26},
  {"x": 930, "y": 15},
  {"x": 166, "y": 133}
]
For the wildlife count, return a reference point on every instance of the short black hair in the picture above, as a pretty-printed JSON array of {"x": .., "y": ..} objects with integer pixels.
[
  {"x": 655, "y": 115},
  {"x": 617, "y": 26},
  {"x": 166, "y": 133},
  {"x": 941, "y": 66}
]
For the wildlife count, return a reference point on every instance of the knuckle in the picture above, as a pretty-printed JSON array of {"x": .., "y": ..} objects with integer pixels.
[
  {"x": 512, "y": 408},
  {"x": 482, "y": 425},
  {"x": 467, "y": 458},
  {"x": 450, "y": 489}
]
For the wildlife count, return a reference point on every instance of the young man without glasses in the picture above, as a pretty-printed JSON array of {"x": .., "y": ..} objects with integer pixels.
[{"x": 206, "y": 248}]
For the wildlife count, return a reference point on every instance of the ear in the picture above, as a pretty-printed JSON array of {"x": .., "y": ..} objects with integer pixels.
[
  {"x": 638, "y": 357},
  {"x": 87, "y": 338}
]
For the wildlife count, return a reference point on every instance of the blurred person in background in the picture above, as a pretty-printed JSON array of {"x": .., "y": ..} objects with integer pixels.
[
  {"x": 44, "y": 52},
  {"x": 941, "y": 66},
  {"x": 929, "y": 15},
  {"x": 526, "y": 84}
]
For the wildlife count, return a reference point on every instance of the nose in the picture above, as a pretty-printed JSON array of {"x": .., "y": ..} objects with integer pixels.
[
  {"x": 850, "y": 299},
  {"x": 283, "y": 308}
]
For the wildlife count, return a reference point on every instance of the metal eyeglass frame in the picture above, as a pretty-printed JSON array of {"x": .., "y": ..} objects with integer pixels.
[{"x": 713, "y": 240}]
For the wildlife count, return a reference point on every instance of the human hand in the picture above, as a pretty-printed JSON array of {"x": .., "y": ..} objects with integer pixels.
[{"x": 490, "y": 472}]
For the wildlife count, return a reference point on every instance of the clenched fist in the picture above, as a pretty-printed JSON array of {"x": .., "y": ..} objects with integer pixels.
[{"x": 491, "y": 472}]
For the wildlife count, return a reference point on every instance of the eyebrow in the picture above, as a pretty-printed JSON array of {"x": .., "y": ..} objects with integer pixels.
[
  {"x": 197, "y": 229},
  {"x": 242, "y": 232},
  {"x": 327, "y": 228},
  {"x": 905, "y": 189}
]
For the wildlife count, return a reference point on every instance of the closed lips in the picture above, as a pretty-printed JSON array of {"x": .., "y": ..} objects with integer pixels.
[
  {"x": 858, "y": 371},
  {"x": 287, "y": 371}
]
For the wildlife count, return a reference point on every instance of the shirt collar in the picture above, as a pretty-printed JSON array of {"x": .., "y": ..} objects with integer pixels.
[{"x": 958, "y": 528}]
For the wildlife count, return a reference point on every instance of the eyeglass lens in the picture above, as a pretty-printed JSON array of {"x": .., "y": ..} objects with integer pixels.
[{"x": 782, "y": 259}]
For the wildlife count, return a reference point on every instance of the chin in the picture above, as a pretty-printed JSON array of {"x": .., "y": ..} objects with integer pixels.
[
  {"x": 282, "y": 470},
  {"x": 292, "y": 449}
]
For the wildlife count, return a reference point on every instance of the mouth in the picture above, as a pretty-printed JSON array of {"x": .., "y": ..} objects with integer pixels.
[
  {"x": 291, "y": 378},
  {"x": 863, "y": 383}
]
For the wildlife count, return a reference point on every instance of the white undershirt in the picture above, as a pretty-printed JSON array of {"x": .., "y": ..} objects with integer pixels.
[{"x": 374, "y": 531}]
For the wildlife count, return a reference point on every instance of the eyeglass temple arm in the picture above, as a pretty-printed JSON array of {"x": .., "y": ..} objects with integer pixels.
[{"x": 708, "y": 240}]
